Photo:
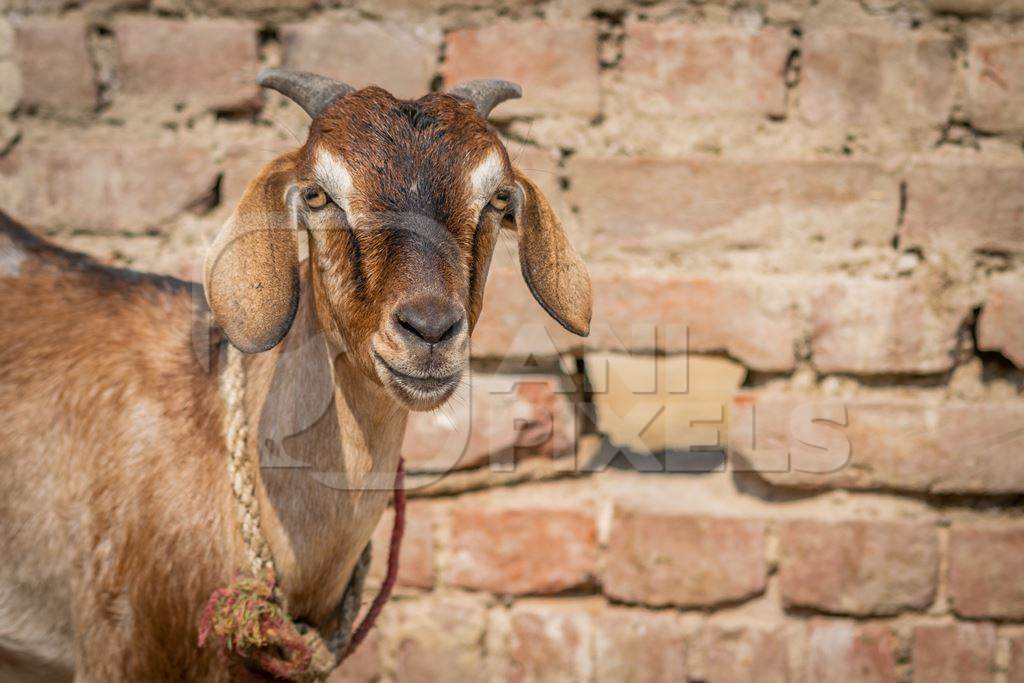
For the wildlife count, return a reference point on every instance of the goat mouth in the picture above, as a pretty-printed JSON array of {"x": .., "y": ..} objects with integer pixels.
[{"x": 418, "y": 389}]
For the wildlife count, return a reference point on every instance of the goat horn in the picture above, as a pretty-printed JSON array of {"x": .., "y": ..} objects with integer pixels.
[
  {"x": 487, "y": 93},
  {"x": 311, "y": 92}
]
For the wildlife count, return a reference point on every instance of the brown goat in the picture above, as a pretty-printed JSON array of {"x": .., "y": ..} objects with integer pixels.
[{"x": 117, "y": 518}]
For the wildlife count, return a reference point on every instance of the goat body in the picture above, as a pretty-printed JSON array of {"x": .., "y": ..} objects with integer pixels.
[
  {"x": 116, "y": 514},
  {"x": 117, "y": 518}
]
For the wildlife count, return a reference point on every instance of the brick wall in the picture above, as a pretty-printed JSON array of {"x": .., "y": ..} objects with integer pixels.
[{"x": 792, "y": 448}]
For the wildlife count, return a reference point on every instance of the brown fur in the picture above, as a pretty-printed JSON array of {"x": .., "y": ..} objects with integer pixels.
[{"x": 116, "y": 515}]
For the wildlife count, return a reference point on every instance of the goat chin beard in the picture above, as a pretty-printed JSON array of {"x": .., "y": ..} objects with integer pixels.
[{"x": 417, "y": 389}]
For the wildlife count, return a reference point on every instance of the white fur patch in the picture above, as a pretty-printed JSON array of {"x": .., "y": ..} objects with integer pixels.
[
  {"x": 334, "y": 178},
  {"x": 11, "y": 257},
  {"x": 485, "y": 178}
]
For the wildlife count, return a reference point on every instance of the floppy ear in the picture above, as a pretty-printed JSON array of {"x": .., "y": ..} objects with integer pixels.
[
  {"x": 251, "y": 274},
  {"x": 554, "y": 273}
]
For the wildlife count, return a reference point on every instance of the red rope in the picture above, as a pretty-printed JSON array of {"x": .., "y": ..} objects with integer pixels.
[{"x": 389, "y": 579}]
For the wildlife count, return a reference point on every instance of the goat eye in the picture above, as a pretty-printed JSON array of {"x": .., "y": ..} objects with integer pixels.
[
  {"x": 500, "y": 199},
  {"x": 315, "y": 198}
]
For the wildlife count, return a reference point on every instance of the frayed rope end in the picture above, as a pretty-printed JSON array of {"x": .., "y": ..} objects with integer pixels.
[{"x": 247, "y": 622}]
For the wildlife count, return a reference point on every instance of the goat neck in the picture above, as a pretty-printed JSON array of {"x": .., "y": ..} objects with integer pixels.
[{"x": 327, "y": 437}]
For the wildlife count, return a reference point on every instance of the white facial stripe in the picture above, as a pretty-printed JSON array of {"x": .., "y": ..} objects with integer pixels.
[
  {"x": 485, "y": 178},
  {"x": 334, "y": 178}
]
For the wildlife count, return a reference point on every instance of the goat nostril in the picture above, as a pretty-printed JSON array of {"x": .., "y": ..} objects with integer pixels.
[
  {"x": 452, "y": 330},
  {"x": 408, "y": 327},
  {"x": 431, "y": 322}
]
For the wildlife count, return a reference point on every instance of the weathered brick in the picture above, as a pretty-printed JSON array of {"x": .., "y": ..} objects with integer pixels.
[
  {"x": 654, "y": 403},
  {"x": 416, "y": 560},
  {"x": 995, "y": 82},
  {"x": 954, "y": 653},
  {"x": 240, "y": 163},
  {"x": 53, "y": 55},
  {"x": 362, "y": 666},
  {"x": 759, "y": 329},
  {"x": 512, "y": 323},
  {"x": 864, "y": 77},
  {"x": 977, "y": 7},
  {"x": 849, "y": 652},
  {"x": 551, "y": 641},
  {"x": 750, "y": 318},
  {"x": 536, "y": 550},
  {"x": 898, "y": 444},
  {"x": 437, "y": 638},
  {"x": 961, "y": 205},
  {"x": 858, "y": 567},
  {"x": 402, "y": 59},
  {"x": 10, "y": 74},
  {"x": 151, "y": 253},
  {"x": 103, "y": 186},
  {"x": 745, "y": 653},
  {"x": 638, "y": 646},
  {"x": 554, "y": 61},
  {"x": 433, "y": 7},
  {"x": 660, "y": 559},
  {"x": 875, "y": 326},
  {"x": 649, "y": 206},
  {"x": 697, "y": 71},
  {"x": 253, "y": 7},
  {"x": 1015, "y": 666},
  {"x": 1001, "y": 323},
  {"x": 985, "y": 566},
  {"x": 494, "y": 419},
  {"x": 206, "y": 63}
]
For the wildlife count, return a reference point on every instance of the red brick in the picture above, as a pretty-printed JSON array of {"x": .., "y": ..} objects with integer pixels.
[
  {"x": 56, "y": 69},
  {"x": 10, "y": 74},
  {"x": 1012, "y": 8},
  {"x": 1015, "y": 667},
  {"x": 864, "y": 77},
  {"x": 759, "y": 329},
  {"x": 995, "y": 82},
  {"x": 103, "y": 186},
  {"x": 969, "y": 448},
  {"x": 551, "y": 641},
  {"x": 512, "y": 322},
  {"x": 417, "y": 8},
  {"x": 954, "y": 653},
  {"x": 877, "y": 326},
  {"x": 649, "y": 206},
  {"x": 1001, "y": 324},
  {"x": 848, "y": 652},
  {"x": 697, "y": 71},
  {"x": 637, "y": 646},
  {"x": 437, "y": 638},
  {"x": 746, "y": 653},
  {"x": 208, "y": 63},
  {"x": 252, "y": 7},
  {"x": 401, "y": 59},
  {"x": 750, "y": 318},
  {"x": 858, "y": 567},
  {"x": 985, "y": 569},
  {"x": 521, "y": 551},
  {"x": 961, "y": 205},
  {"x": 684, "y": 560},
  {"x": 493, "y": 419},
  {"x": 416, "y": 560},
  {"x": 362, "y": 666},
  {"x": 554, "y": 62}
]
